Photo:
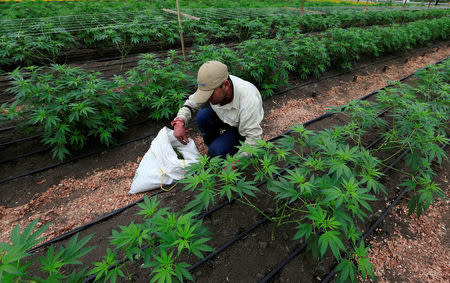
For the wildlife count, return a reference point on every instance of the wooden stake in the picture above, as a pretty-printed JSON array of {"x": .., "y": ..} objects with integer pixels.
[
  {"x": 181, "y": 29},
  {"x": 429, "y": 3},
  {"x": 301, "y": 10},
  {"x": 365, "y": 7},
  {"x": 404, "y": 4}
]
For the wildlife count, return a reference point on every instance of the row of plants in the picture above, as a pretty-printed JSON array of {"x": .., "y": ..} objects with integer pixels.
[
  {"x": 73, "y": 105},
  {"x": 37, "y": 9},
  {"x": 43, "y": 40},
  {"x": 325, "y": 196}
]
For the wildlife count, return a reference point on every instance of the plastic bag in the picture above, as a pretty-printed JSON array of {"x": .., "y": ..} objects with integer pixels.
[{"x": 160, "y": 165}]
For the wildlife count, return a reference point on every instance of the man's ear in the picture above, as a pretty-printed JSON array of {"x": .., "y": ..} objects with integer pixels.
[{"x": 227, "y": 83}]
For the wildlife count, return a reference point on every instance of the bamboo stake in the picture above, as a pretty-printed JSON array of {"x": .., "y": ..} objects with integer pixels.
[
  {"x": 301, "y": 10},
  {"x": 181, "y": 29},
  {"x": 365, "y": 7}
]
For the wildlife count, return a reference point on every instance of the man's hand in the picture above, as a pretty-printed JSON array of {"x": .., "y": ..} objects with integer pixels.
[{"x": 180, "y": 133}]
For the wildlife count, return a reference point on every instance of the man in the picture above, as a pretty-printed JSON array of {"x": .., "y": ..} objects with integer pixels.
[{"x": 233, "y": 115}]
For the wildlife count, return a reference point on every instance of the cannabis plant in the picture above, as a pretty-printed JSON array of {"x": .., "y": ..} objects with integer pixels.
[
  {"x": 158, "y": 86},
  {"x": 159, "y": 242},
  {"x": 15, "y": 260},
  {"x": 69, "y": 104}
]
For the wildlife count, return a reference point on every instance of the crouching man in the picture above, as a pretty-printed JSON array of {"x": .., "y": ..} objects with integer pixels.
[{"x": 229, "y": 110}]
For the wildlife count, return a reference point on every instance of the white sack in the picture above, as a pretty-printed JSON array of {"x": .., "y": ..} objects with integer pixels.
[{"x": 160, "y": 165}]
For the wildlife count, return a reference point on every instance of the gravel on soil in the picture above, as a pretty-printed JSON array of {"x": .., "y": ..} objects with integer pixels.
[{"x": 417, "y": 249}]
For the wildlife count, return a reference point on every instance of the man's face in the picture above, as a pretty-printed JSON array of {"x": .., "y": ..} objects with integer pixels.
[{"x": 218, "y": 95}]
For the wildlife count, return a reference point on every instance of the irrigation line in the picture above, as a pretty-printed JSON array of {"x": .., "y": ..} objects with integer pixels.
[
  {"x": 26, "y": 154},
  {"x": 231, "y": 242},
  {"x": 277, "y": 269},
  {"x": 20, "y": 140},
  {"x": 7, "y": 129},
  {"x": 49, "y": 148},
  {"x": 102, "y": 218},
  {"x": 73, "y": 159}
]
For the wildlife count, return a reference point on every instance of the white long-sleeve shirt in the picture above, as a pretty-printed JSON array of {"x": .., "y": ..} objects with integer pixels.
[{"x": 245, "y": 111}]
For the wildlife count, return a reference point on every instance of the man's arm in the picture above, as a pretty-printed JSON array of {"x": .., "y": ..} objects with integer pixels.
[
  {"x": 188, "y": 110},
  {"x": 183, "y": 117}
]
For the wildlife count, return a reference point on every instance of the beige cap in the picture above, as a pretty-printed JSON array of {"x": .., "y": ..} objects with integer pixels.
[{"x": 210, "y": 75}]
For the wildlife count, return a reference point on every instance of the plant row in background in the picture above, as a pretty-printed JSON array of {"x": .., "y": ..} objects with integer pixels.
[
  {"x": 44, "y": 39},
  {"x": 325, "y": 196},
  {"x": 73, "y": 105},
  {"x": 37, "y": 9}
]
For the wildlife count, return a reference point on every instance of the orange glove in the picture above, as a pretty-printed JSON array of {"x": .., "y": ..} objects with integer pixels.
[{"x": 179, "y": 131}]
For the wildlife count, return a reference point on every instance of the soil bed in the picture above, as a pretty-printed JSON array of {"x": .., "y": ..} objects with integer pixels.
[{"x": 73, "y": 194}]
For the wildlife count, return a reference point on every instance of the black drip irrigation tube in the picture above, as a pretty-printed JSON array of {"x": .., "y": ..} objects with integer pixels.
[
  {"x": 20, "y": 140},
  {"x": 26, "y": 154},
  {"x": 102, "y": 218},
  {"x": 7, "y": 129},
  {"x": 6, "y": 101},
  {"x": 72, "y": 159},
  {"x": 49, "y": 148}
]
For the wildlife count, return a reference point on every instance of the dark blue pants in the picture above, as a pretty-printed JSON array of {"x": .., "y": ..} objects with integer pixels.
[{"x": 210, "y": 127}]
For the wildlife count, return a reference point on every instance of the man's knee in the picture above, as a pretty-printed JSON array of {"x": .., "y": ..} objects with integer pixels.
[
  {"x": 218, "y": 149},
  {"x": 222, "y": 147}
]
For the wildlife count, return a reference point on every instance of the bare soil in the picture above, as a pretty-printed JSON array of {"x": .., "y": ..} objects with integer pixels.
[{"x": 76, "y": 193}]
